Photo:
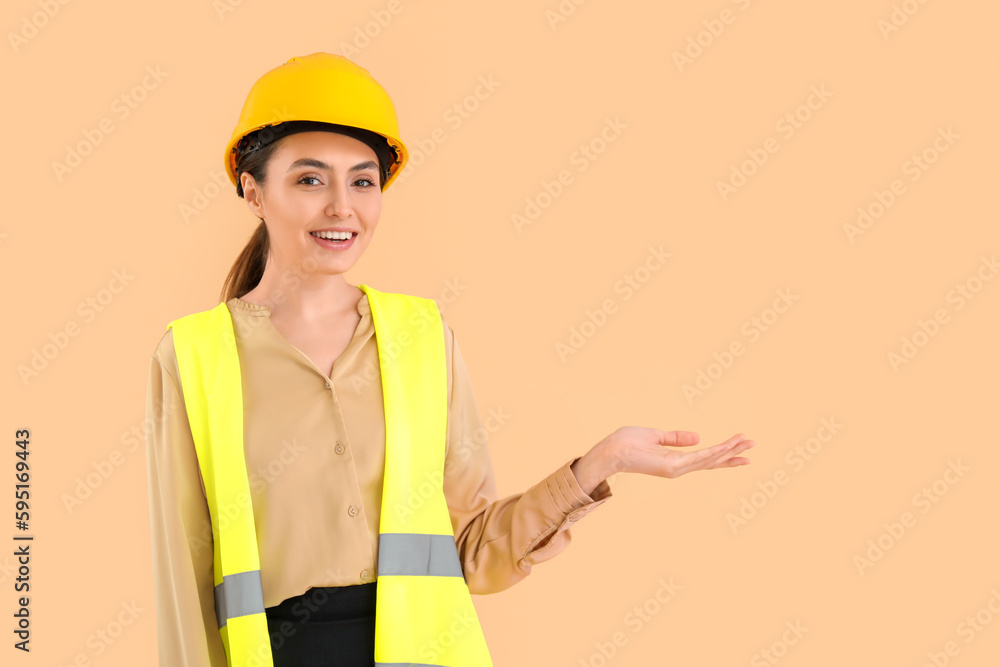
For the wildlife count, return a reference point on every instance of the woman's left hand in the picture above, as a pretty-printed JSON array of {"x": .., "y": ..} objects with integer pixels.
[{"x": 644, "y": 450}]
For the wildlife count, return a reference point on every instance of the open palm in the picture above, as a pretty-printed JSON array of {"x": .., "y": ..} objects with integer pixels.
[{"x": 644, "y": 450}]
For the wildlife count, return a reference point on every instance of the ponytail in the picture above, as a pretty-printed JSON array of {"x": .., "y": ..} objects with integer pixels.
[{"x": 248, "y": 268}]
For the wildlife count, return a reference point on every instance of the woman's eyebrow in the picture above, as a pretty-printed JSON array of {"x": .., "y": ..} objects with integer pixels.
[{"x": 319, "y": 164}]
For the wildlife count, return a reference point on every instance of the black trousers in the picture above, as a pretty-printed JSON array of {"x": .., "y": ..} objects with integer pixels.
[{"x": 324, "y": 627}]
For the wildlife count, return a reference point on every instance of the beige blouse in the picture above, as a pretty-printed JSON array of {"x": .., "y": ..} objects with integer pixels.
[{"x": 315, "y": 454}]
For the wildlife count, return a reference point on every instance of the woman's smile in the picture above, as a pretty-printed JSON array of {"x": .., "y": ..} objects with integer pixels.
[{"x": 334, "y": 240}]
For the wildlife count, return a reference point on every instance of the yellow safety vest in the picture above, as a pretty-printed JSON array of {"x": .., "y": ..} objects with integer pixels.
[{"x": 424, "y": 613}]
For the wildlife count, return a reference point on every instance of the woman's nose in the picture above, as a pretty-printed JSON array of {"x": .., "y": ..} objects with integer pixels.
[{"x": 338, "y": 203}]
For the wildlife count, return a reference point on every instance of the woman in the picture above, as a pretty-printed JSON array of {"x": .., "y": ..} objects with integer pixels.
[{"x": 347, "y": 509}]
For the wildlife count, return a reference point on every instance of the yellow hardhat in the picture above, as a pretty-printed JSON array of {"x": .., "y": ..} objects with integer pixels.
[{"x": 323, "y": 88}]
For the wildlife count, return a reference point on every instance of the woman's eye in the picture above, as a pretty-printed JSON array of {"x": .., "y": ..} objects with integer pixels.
[{"x": 364, "y": 182}]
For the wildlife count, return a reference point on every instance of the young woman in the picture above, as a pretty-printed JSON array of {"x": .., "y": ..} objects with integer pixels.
[{"x": 320, "y": 488}]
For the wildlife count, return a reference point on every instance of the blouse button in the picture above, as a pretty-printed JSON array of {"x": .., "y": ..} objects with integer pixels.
[
  {"x": 328, "y": 384},
  {"x": 339, "y": 448},
  {"x": 364, "y": 574},
  {"x": 352, "y": 510}
]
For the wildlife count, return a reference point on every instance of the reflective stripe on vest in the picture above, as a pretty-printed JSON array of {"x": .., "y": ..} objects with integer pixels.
[{"x": 424, "y": 615}]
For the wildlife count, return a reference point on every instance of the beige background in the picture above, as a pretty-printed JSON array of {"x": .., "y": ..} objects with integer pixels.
[{"x": 449, "y": 220}]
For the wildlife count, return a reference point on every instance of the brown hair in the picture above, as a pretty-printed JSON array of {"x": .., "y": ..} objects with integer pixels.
[{"x": 248, "y": 268}]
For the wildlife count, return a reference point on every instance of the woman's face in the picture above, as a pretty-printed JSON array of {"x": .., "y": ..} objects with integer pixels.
[{"x": 317, "y": 181}]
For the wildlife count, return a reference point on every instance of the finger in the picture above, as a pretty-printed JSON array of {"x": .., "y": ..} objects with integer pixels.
[
  {"x": 731, "y": 463},
  {"x": 718, "y": 456},
  {"x": 734, "y": 443},
  {"x": 712, "y": 464},
  {"x": 677, "y": 438},
  {"x": 736, "y": 461},
  {"x": 731, "y": 454},
  {"x": 703, "y": 458},
  {"x": 719, "y": 453},
  {"x": 735, "y": 448}
]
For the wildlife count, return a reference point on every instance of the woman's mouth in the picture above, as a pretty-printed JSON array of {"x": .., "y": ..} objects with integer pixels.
[{"x": 334, "y": 240}]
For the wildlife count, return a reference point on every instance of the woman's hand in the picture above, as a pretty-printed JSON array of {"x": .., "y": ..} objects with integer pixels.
[{"x": 644, "y": 450}]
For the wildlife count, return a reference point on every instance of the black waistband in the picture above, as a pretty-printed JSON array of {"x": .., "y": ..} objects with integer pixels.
[{"x": 326, "y": 603}]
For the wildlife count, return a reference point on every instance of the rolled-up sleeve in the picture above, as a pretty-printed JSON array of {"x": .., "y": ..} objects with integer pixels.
[
  {"x": 180, "y": 526},
  {"x": 499, "y": 540}
]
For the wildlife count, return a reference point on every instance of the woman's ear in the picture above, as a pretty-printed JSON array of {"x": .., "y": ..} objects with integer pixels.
[{"x": 252, "y": 194}]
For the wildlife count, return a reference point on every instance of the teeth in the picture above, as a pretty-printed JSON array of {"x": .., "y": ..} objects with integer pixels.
[{"x": 337, "y": 236}]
